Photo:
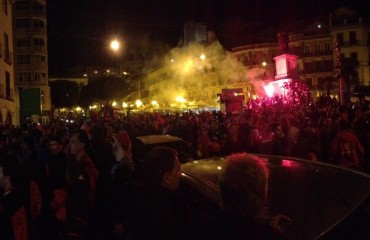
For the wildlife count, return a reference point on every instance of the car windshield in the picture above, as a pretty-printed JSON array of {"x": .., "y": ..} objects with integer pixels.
[{"x": 318, "y": 197}]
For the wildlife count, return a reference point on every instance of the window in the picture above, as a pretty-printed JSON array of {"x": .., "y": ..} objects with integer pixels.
[
  {"x": 38, "y": 42},
  {"x": 39, "y": 77},
  {"x": 307, "y": 49},
  {"x": 353, "y": 56},
  {"x": 317, "y": 48},
  {"x": 23, "y": 42},
  {"x": 24, "y": 76},
  {"x": 340, "y": 38},
  {"x": 24, "y": 59},
  {"x": 20, "y": 6},
  {"x": 38, "y": 24},
  {"x": 352, "y": 38},
  {"x": 22, "y": 23},
  {"x": 4, "y": 3},
  {"x": 7, "y": 85},
  {"x": 327, "y": 47},
  {"x": 7, "y": 53}
]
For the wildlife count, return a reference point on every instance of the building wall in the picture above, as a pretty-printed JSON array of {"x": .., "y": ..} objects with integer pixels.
[
  {"x": 7, "y": 104},
  {"x": 30, "y": 44}
]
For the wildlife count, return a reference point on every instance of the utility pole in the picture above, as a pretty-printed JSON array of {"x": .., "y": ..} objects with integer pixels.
[{"x": 339, "y": 67}]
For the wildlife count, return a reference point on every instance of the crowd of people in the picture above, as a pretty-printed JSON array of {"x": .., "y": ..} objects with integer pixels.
[{"x": 78, "y": 181}]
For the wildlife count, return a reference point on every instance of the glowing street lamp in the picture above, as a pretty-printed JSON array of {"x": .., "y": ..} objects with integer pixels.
[
  {"x": 138, "y": 103},
  {"x": 202, "y": 57},
  {"x": 115, "y": 45}
]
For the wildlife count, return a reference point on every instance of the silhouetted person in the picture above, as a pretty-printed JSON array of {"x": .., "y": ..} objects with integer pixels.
[{"x": 243, "y": 186}]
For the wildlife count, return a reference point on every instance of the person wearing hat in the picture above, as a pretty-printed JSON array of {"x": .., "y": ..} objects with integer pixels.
[{"x": 122, "y": 184}]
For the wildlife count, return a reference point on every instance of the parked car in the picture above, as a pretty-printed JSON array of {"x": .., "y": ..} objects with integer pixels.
[
  {"x": 324, "y": 201},
  {"x": 141, "y": 145}
]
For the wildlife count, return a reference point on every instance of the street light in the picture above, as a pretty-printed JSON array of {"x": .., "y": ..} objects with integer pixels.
[{"x": 115, "y": 45}]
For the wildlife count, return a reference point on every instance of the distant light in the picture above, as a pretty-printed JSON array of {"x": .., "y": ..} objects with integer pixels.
[
  {"x": 114, "y": 45},
  {"x": 85, "y": 75},
  {"x": 219, "y": 168},
  {"x": 319, "y": 26},
  {"x": 125, "y": 73},
  {"x": 124, "y": 105},
  {"x": 95, "y": 72},
  {"x": 108, "y": 70},
  {"x": 264, "y": 63},
  {"x": 172, "y": 60},
  {"x": 202, "y": 57},
  {"x": 138, "y": 103},
  {"x": 114, "y": 104},
  {"x": 269, "y": 90}
]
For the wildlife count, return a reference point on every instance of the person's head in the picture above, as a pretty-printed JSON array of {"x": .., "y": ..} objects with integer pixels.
[
  {"x": 344, "y": 125},
  {"x": 244, "y": 184},
  {"x": 121, "y": 145},
  {"x": 63, "y": 135},
  {"x": 278, "y": 130},
  {"x": 27, "y": 144},
  {"x": 233, "y": 128},
  {"x": 55, "y": 145},
  {"x": 162, "y": 168},
  {"x": 78, "y": 142},
  {"x": 10, "y": 172}
]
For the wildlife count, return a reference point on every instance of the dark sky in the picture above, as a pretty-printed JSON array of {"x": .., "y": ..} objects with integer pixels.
[{"x": 79, "y": 31}]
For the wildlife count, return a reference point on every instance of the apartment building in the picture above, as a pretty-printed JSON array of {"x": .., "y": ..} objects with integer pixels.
[
  {"x": 31, "y": 59},
  {"x": 353, "y": 35},
  {"x": 8, "y": 114}
]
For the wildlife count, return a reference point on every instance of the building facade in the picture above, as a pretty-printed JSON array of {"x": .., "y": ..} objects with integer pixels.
[
  {"x": 31, "y": 59},
  {"x": 8, "y": 114},
  {"x": 315, "y": 46}
]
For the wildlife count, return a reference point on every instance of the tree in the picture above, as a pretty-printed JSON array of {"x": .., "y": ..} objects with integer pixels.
[{"x": 64, "y": 93}]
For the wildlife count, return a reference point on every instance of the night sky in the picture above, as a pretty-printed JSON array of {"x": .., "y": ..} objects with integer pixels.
[{"x": 79, "y": 31}]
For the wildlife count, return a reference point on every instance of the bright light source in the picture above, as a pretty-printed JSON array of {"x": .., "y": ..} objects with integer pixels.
[
  {"x": 108, "y": 70},
  {"x": 202, "y": 57},
  {"x": 124, "y": 105},
  {"x": 114, "y": 104},
  {"x": 154, "y": 103},
  {"x": 172, "y": 60},
  {"x": 138, "y": 103},
  {"x": 114, "y": 45},
  {"x": 319, "y": 26},
  {"x": 269, "y": 90},
  {"x": 180, "y": 99},
  {"x": 264, "y": 63}
]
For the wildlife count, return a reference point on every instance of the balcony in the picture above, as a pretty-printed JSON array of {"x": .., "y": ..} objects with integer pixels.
[{"x": 317, "y": 54}]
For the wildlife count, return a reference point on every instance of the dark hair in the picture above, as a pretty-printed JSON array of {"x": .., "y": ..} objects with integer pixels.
[
  {"x": 159, "y": 161},
  {"x": 344, "y": 125},
  {"x": 82, "y": 137},
  {"x": 12, "y": 167},
  {"x": 243, "y": 185}
]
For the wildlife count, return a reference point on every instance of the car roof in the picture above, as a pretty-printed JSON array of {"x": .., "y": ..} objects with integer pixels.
[
  {"x": 317, "y": 196},
  {"x": 154, "y": 139}
]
